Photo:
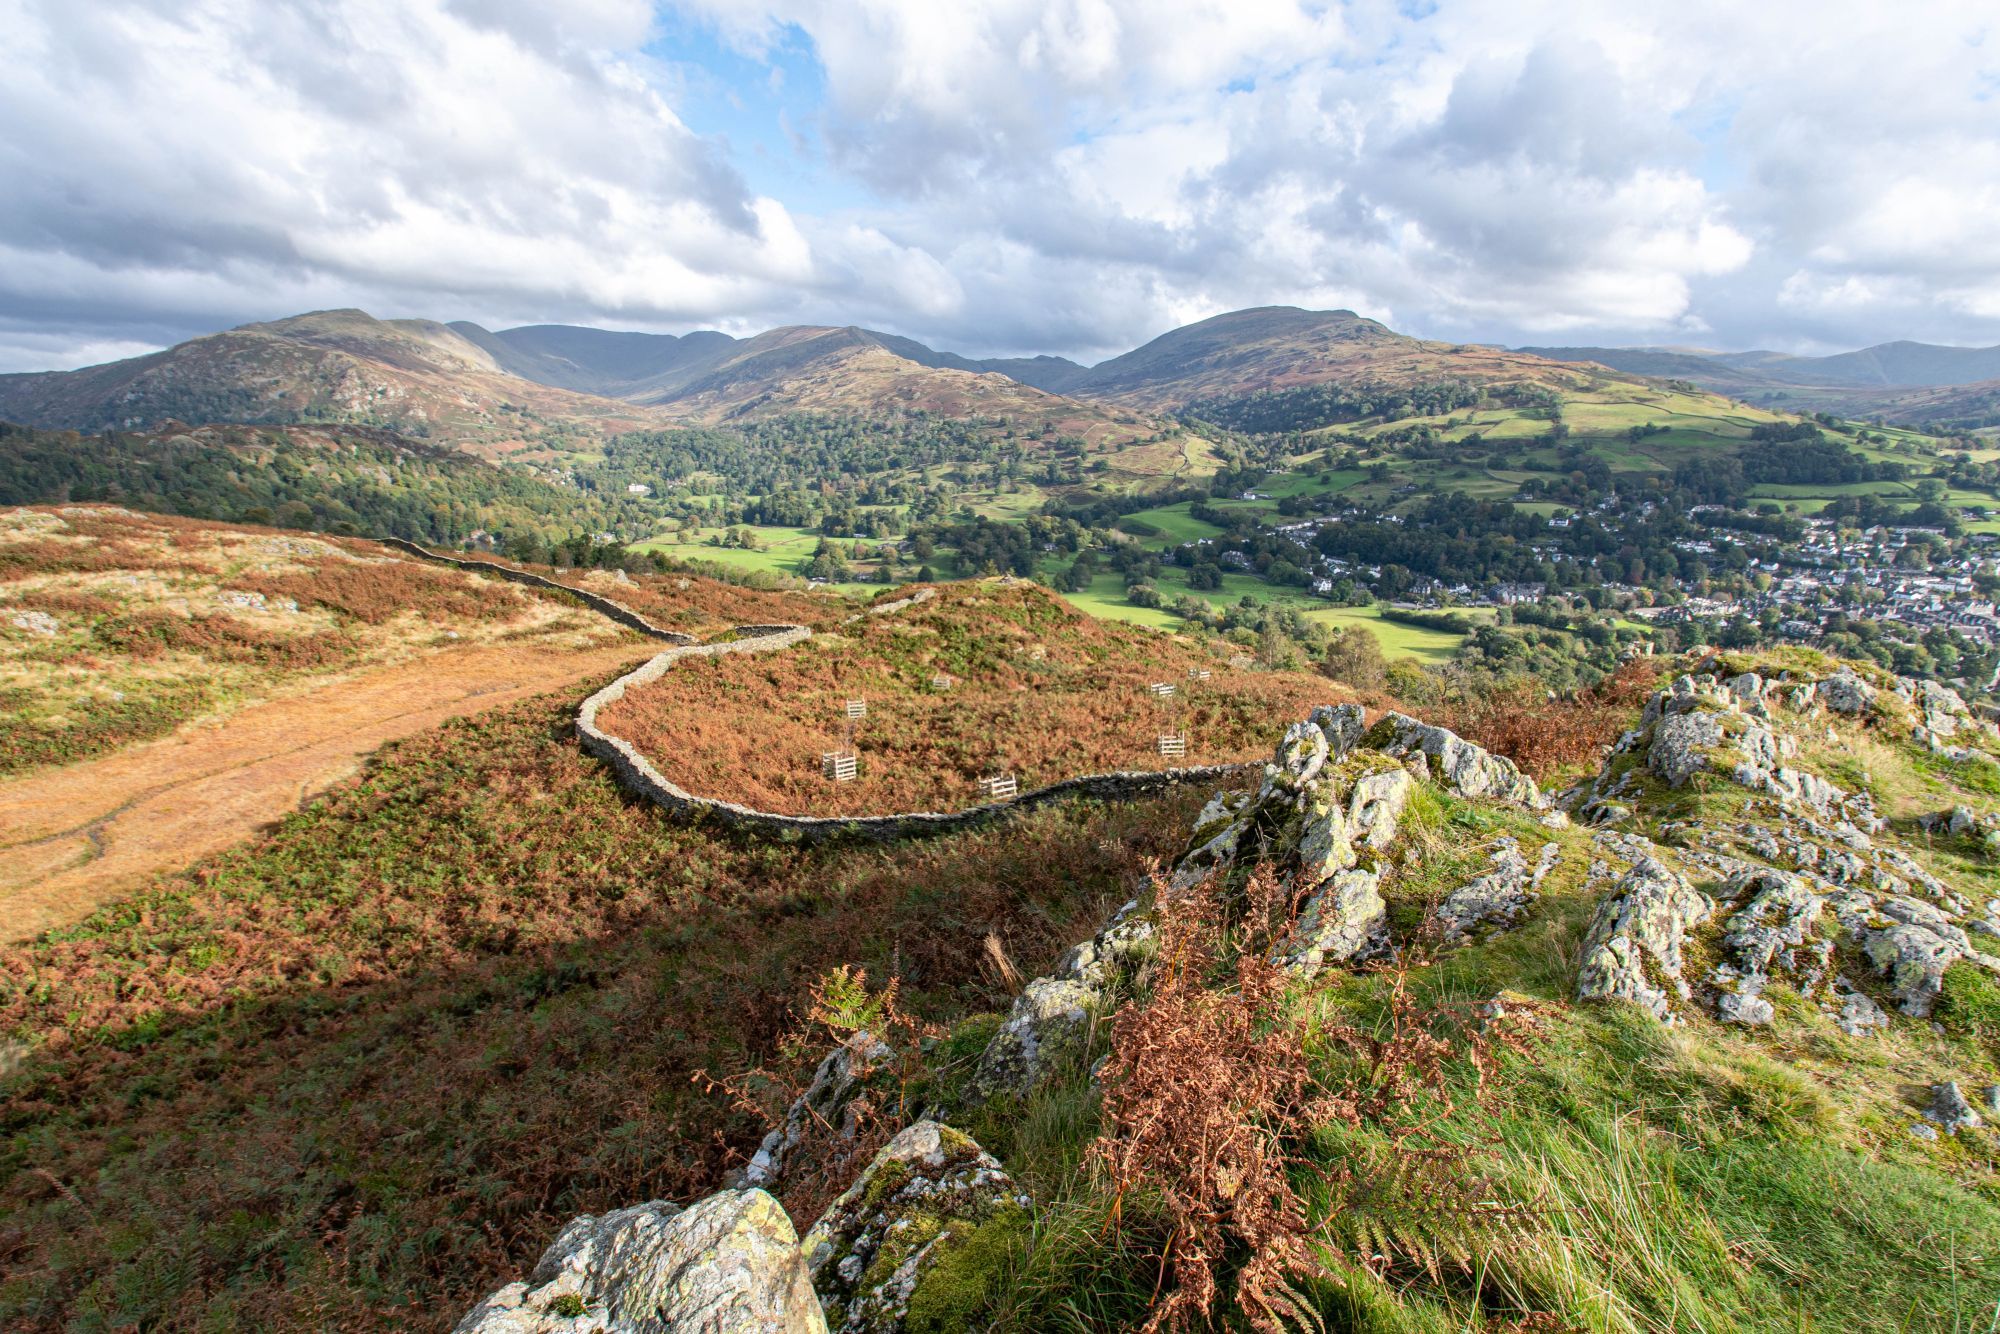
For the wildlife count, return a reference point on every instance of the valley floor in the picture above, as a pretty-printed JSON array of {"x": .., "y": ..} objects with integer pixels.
[{"x": 76, "y": 837}]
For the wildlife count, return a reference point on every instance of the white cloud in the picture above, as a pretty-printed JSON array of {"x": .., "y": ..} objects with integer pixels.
[{"x": 1068, "y": 175}]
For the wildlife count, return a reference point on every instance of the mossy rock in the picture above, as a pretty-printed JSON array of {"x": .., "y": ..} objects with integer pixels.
[{"x": 919, "y": 1242}]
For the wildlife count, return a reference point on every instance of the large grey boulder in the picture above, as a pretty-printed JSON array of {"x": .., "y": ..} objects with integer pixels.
[
  {"x": 915, "y": 1242},
  {"x": 1844, "y": 692},
  {"x": 1683, "y": 744},
  {"x": 1634, "y": 948},
  {"x": 730, "y": 1264},
  {"x": 1467, "y": 769},
  {"x": 1912, "y": 944}
]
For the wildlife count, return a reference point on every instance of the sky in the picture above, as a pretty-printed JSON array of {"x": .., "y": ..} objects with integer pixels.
[{"x": 999, "y": 177}]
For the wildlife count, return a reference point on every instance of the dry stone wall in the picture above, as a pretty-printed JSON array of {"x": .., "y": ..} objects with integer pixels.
[
  {"x": 604, "y": 606},
  {"x": 639, "y": 775}
]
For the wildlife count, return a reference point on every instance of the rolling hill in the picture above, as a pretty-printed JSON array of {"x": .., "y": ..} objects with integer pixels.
[
  {"x": 848, "y": 370},
  {"x": 413, "y": 376},
  {"x": 1900, "y": 381},
  {"x": 542, "y": 386},
  {"x": 1282, "y": 347}
]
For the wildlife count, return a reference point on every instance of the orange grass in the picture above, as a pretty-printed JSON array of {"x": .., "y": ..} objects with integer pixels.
[{"x": 1037, "y": 690}]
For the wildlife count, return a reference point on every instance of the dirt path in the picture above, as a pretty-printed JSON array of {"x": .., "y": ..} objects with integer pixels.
[{"x": 79, "y": 836}]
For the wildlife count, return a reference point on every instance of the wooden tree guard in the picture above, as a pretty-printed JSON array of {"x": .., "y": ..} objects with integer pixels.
[
  {"x": 1173, "y": 743},
  {"x": 940, "y": 682},
  {"x": 998, "y": 785},
  {"x": 837, "y": 765},
  {"x": 857, "y": 708},
  {"x": 1199, "y": 673},
  {"x": 1164, "y": 689}
]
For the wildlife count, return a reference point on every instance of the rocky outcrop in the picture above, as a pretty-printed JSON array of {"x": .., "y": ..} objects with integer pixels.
[
  {"x": 1845, "y": 692},
  {"x": 828, "y": 1102},
  {"x": 1499, "y": 897},
  {"x": 913, "y": 1244},
  {"x": 728, "y": 1265},
  {"x": 1049, "y": 1024},
  {"x": 1702, "y": 724},
  {"x": 1459, "y": 765},
  {"x": 1774, "y": 934},
  {"x": 1911, "y": 944},
  {"x": 1634, "y": 949},
  {"x": 1344, "y": 920}
]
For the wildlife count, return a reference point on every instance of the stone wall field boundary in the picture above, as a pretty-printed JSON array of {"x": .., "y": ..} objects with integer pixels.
[
  {"x": 639, "y": 776},
  {"x": 604, "y": 606}
]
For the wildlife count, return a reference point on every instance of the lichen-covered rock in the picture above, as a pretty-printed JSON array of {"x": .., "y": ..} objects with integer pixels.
[
  {"x": 1682, "y": 745},
  {"x": 1048, "y": 1025},
  {"x": 829, "y": 1101},
  {"x": 1634, "y": 948},
  {"x": 1050, "y": 1020},
  {"x": 1302, "y": 752},
  {"x": 1844, "y": 692},
  {"x": 1911, "y": 945},
  {"x": 1350, "y": 808},
  {"x": 1500, "y": 896},
  {"x": 913, "y": 1244},
  {"x": 1940, "y": 710},
  {"x": 1469, "y": 770},
  {"x": 1775, "y": 932},
  {"x": 1950, "y": 1110},
  {"x": 1342, "y": 725},
  {"x": 730, "y": 1264},
  {"x": 1342, "y": 921}
]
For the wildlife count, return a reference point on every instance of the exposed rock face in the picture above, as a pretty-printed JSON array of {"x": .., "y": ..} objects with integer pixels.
[
  {"x": 1343, "y": 920},
  {"x": 1050, "y": 1021},
  {"x": 1342, "y": 725},
  {"x": 1911, "y": 945},
  {"x": 1698, "y": 724},
  {"x": 1302, "y": 753},
  {"x": 728, "y": 1265},
  {"x": 1950, "y": 1109},
  {"x": 1844, "y": 692},
  {"x": 909, "y": 1246},
  {"x": 1499, "y": 897},
  {"x": 1774, "y": 934},
  {"x": 1633, "y": 951},
  {"x": 1682, "y": 743},
  {"x": 1466, "y": 769},
  {"x": 827, "y": 1101}
]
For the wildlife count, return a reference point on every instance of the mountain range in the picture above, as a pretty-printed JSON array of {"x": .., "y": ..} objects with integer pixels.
[
  {"x": 537, "y": 386},
  {"x": 1903, "y": 381}
]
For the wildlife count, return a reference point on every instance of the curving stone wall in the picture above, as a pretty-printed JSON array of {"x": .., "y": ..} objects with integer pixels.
[
  {"x": 639, "y": 776},
  {"x": 604, "y": 606}
]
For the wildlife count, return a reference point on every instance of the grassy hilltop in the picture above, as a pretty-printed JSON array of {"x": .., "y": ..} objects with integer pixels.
[{"x": 363, "y": 1067}]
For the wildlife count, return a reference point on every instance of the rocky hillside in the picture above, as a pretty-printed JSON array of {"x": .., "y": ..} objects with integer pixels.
[{"x": 1402, "y": 1042}]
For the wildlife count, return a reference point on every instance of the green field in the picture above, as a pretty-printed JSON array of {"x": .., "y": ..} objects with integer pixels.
[
  {"x": 1105, "y": 599},
  {"x": 779, "y": 551},
  {"x": 1398, "y": 640},
  {"x": 1175, "y": 525}
]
